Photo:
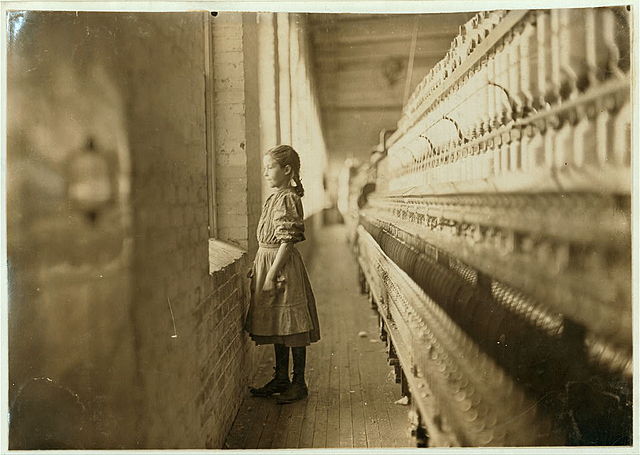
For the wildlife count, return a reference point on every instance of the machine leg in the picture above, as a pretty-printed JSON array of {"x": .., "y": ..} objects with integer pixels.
[
  {"x": 383, "y": 332},
  {"x": 394, "y": 361},
  {"x": 372, "y": 301},
  {"x": 362, "y": 281},
  {"x": 404, "y": 384}
]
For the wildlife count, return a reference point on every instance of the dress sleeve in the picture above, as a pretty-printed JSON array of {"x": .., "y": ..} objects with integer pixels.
[{"x": 288, "y": 219}]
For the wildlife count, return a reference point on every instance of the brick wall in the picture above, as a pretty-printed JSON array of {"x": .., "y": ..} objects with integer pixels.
[
  {"x": 227, "y": 360},
  {"x": 192, "y": 383},
  {"x": 237, "y": 128},
  {"x": 165, "y": 90}
]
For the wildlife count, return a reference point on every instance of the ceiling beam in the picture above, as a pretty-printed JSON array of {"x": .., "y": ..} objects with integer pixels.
[
  {"x": 387, "y": 45},
  {"x": 362, "y": 107},
  {"x": 345, "y": 39},
  {"x": 346, "y": 58},
  {"x": 327, "y": 66},
  {"x": 318, "y": 19}
]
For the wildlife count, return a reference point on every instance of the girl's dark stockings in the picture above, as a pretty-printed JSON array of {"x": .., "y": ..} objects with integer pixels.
[
  {"x": 290, "y": 391},
  {"x": 282, "y": 361},
  {"x": 299, "y": 361},
  {"x": 280, "y": 382},
  {"x": 298, "y": 389}
]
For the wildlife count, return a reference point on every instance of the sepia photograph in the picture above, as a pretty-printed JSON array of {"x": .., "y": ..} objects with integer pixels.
[{"x": 263, "y": 227}]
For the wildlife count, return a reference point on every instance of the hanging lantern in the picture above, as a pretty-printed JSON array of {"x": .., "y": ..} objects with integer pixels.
[{"x": 90, "y": 181}]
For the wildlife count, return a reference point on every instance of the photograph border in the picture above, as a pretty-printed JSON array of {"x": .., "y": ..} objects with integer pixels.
[{"x": 354, "y": 6}]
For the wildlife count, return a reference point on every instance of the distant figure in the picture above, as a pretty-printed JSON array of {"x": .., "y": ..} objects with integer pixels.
[
  {"x": 364, "y": 194},
  {"x": 282, "y": 311}
]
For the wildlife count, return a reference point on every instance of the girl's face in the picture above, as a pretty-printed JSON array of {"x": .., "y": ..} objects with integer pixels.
[{"x": 276, "y": 176}]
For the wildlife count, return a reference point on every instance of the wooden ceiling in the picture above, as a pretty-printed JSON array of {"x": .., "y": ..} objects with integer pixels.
[{"x": 361, "y": 71}]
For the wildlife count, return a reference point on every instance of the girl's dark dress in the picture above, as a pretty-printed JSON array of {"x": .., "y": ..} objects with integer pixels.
[{"x": 288, "y": 314}]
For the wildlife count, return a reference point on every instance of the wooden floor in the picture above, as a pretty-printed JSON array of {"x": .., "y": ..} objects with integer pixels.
[{"x": 351, "y": 388}]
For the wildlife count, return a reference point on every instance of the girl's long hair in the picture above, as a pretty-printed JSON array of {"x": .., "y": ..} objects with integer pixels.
[{"x": 286, "y": 155}]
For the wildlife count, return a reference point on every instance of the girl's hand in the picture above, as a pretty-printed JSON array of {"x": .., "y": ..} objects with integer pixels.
[{"x": 269, "y": 285}]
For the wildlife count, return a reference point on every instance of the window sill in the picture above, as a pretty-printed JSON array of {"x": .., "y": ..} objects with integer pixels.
[{"x": 223, "y": 254}]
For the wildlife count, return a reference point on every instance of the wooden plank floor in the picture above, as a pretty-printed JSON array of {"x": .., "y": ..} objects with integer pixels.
[{"x": 351, "y": 387}]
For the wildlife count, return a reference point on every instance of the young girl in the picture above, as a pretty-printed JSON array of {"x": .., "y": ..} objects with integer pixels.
[{"x": 282, "y": 311}]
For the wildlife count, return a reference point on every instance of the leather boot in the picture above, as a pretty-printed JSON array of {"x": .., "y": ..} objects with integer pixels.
[
  {"x": 298, "y": 389},
  {"x": 280, "y": 381}
]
